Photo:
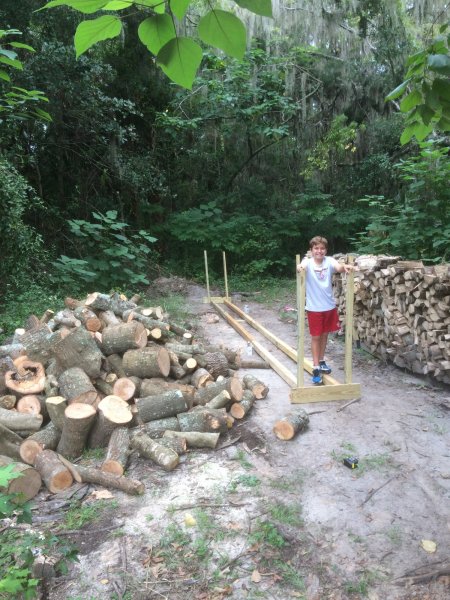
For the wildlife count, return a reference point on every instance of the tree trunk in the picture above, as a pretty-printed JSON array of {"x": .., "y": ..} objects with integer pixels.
[
  {"x": 195, "y": 439},
  {"x": 75, "y": 386},
  {"x": 167, "y": 404},
  {"x": 113, "y": 412},
  {"x": 56, "y": 407},
  {"x": 27, "y": 485},
  {"x": 54, "y": 474},
  {"x": 147, "y": 362},
  {"x": 232, "y": 384},
  {"x": 156, "y": 386},
  {"x": 205, "y": 420},
  {"x": 78, "y": 421},
  {"x": 118, "y": 452},
  {"x": 162, "y": 456},
  {"x": 20, "y": 422},
  {"x": 257, "y": 387},
  {"x": 78, "y": 349},
  {"x": 108, "y": 480},
  {"x": 46, "y": 438},
  {"x": 287, "y": 428},
  {"x": 123, "y": 337}
]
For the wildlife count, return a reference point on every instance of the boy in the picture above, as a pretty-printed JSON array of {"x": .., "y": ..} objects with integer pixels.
[{"x": 320, "y": 303}]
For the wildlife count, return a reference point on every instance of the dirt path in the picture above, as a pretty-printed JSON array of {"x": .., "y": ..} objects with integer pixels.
[{"x": 262, "y": 518}]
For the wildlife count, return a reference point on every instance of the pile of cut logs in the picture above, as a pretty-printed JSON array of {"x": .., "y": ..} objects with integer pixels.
[
  {"x": 402, "y": 312},
  {"x": 108, "y": 373}
]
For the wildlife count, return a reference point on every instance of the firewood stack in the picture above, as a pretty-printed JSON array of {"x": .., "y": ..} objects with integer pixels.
[
  {"x": 107, "y": 373},
  {"x": 402, "y": 312}
]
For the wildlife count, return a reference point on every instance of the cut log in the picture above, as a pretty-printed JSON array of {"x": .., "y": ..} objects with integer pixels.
[
  {"x": 72, "y": 303},
  {"x": 118, "y": 452},
  {"x": 147, "y": 362},
  {"x": 39, "y": 343},
  {"x": 76, "y": 386},
  {"x": 108, "y": 318},
  {"x": 222, "y": 400},
  {"x": 287, "y": 428},
  {"x": 183, "y": 349},
  {"x": 56, "y": 407},
  {"x": 159, "y": 454},
  {"x": 104, "y": 387},
  {"x": 253, "y": 363},
  {"x": 12, "y": 350},
  {"x": 103, "y": 302},
  {"x": 238, "y": 410},
  {"x": 190, "y": 365},
  {"x": 28, "y": 379},
  {"x": 26, "y": 486},
  {"x": 10, "y": 442},
  {"x": 48, "y": 314},
  {"x": 176, "y": 370},
  {"x": 54, "y": 474},
  {"x": 114, "y": 362},
  {"x": 156, "y": 386},
  {"x": 88, "y": 317},
  {"x": 6, "y": 364},
  {"x": 113, "y": 412},
  {"x": 195, "y": 439},
  {"x": 66, "y": 318},
  {"x": 200, "y": 377},
  {"x": 177, "y": 444},
  {"x": 77, "y": 423},
  {"x": 125, "y": 388},
  {"x": 29, "y": 404},
  {"x": 8, "y": 401},
  {"x": 108, "y": 480},
  {"x": 167, "y": 404},
  {"x": 46, "y": 438},
  {"x": 155, "y": 429},
  {"x": 203, "y": 419},
  {"x": 232, "y": 384},
  {"x": 123, "y": 337},
  {"x": 257, "y": 387},
  {"x": 19, "y": 421},
  {"x": 79, "y": 349},
  {"x": 216, "y": 363}
]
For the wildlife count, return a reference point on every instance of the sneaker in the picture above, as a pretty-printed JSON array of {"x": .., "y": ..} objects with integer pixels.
[
  {"x": 316, "y": 377},
  {"x": 324, "y": 368}
]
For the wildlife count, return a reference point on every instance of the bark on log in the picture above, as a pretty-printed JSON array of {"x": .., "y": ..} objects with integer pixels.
[
  {"x": 155, "y": 429},
  {"x": 118, "y": 452},
  {"x": 104, "y": 302},
  {"x": 183, "y": 349},
  {"x": 12, "y": 350},
  {"x": 20, "y": 422},
  {"x": 232, "y": 384},
  {"x": 88, "y": 317},
  {"x": 200, "y": 377},
  {"x": 79, "y": 349},
  {"x": 147, "y": 362},
  {"x": 46, "y": 438},
  {"x": 108, "y": 480},
  {"x": 222, "y": 400},
  {"x": 40, "y": 342},
  {"x": 252, "y": 363},
  {"x": 159, "y": 454},
  {"x": 77, "y": 423},
  {"x": 26, "y": 486},
  {"x": 66, "y": 318},
  {"x": 29, "y": 378},
  {"x": 104, "y": 387},
  {"x": 287, "y": 428},
  {"x": 195, "y": 439},
  {"x": 240, "y": 409},
  {"x": 76, "y": 386},
  {"x": 168, "y": 404},
  {"x": 123, "y": 337},
  {"x": 56, "y": 407},
  {"x": 257, "y": 387},
  {"x": 54, "y": 474},
  {"x": 114, "y": 361},
  {"x": 108, "y": 319},
  {"x": 203, "y": 419},
  {"x": 8, "y": 401},
  {"x": 190, "y": 365},
  {"x": 10, "y": 442},
  {"x": 177, "y": 444},
  {"x": 72, "y": 303},
  {"x": 216, "y": 363},
  {"x": 29, "y": 404},
  {"x": 113, "y": 412},
  {"x": 125, "y": 388},
  {"x": 6, "y": 364}
]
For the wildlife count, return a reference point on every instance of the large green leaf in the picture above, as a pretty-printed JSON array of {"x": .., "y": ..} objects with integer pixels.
[
  {"x": 442, "y": 88},
  {"x": 20, "y": 45},
  {"x": 410, "y": 101},
  {"x": 154, "y": 32},
  {"x": 397, "y": 92},
  {"x": 8, "y": 53},
  {"x": 4, "y": 75},
  {"x": 16, "y": 64},
  {"x": 85, "y": 6},
  {"x": 90, "y": 32},
  {"x": 180, "y": 59},
  {"x": 223, "y": 30},
  {"x": 259, "y": 7},
  {"x": 118, "y": 5},
  {"x": 179, "y": 7},
  {"x": 157, "y": 5},
  {"x": 439, "y": 63}
]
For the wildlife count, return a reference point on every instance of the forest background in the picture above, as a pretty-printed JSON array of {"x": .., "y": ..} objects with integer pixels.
[{"x": 111, "y": 173}]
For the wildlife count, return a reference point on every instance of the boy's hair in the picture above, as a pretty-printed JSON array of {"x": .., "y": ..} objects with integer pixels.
[{"x": 318, "y": 240}]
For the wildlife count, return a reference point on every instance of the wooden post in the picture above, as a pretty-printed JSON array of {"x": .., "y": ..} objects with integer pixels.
[
  {"x": 349, "y": 295},
  {"x": 301, "y": 293},
  {"x": 225, "y": 275},
  {"x": 206, "y": 275}
]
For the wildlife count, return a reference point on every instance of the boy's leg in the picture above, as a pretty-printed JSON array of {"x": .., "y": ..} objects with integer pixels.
[
  {"x": 322, "y": 346},
  {"x": 316, "y": 348}
]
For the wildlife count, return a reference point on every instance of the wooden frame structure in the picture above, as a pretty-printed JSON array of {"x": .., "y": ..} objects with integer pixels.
[{"x": 300, "y": 394}]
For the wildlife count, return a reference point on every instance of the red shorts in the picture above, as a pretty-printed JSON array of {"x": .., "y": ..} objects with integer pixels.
[{"x": 323, "y": 322}]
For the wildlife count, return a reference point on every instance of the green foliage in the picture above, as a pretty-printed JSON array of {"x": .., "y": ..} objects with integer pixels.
[
  {"x": 425, "y": 92},
  {"x": 416, "y": 223},
  {"x": 266, "y": 532},
  {"x": 110, "y": 257},
  {"x": 79, "y": 515}
]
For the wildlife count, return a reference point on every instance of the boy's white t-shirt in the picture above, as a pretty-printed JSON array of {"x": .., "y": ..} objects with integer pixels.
[{"x": 319, "y": 291}]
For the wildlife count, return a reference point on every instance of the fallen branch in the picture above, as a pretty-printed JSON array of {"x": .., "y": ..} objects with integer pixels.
[{"x": 348, "y": 404}]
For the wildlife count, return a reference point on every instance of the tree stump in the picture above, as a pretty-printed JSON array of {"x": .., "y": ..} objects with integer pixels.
[
  {"x": 118, "y": 452},
  {"x": 257, "y": 387},
  {"x": 195, "y": 439},
  {"x": 113, "y": 412},
  {"x": 78, "y": 421},
  {"x": 54, "y": 474},
  {"x": 287, "y": 428},
  {"x": 76, "y": 386},
  {"x": 147, "y": 362},
  {"x": 123, "y": 337},
  {"x": 26, "y": 486},
  {"x": 168, "y": 404},
  {"x": 46, "y": 438},
  {"x": 159, "y": 454}
]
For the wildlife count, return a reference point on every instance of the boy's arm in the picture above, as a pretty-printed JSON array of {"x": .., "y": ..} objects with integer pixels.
[
  {"x": 343, "y": 267},
  {"x": 302, "y": 266}
]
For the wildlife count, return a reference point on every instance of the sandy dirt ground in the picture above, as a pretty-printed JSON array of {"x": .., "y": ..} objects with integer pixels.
[{"x": 361, "y": 532}]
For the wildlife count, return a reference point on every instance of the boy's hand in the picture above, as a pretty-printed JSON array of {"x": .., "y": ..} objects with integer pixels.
[
  {"x": 300, "y": 268},
  {"x": 348, "y": 268}
]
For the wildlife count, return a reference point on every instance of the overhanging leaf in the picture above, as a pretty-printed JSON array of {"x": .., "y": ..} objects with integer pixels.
[
  {"x": 154, "y": 32},
  {"x": 117, "y": 5},
  {"x": 223, "y": 30},
  {"x": 20, "y": 45},
  {"x": 180, "y": 59},
  {"x": 90, "y": 32},
  {"x": 397, "y": 92},
  {"x": 4, "y": 75},
  {"x": 85, "y": 6},
  {"x": 410, "y": 101},
  {"x": 157, "y": 5},
  {"x": 439, "y": 63},
  {"x": 259, "y": 7},
  {"x": 16, "y": 64},
  {"x": 179, "y": 7},
  {"x": 8, "y": 53}
]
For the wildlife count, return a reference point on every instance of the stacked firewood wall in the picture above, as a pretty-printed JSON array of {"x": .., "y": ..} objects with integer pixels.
[{"x": 402, "y": 312}]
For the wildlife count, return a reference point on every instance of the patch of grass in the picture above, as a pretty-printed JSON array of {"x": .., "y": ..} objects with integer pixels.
[
  {"x": 94, "y": 453},
  {"x": 266, "y": 533},
  {"x": 361, "y": 586},
  {"x": 395, "y": 535},
  {"x": 175, "y": 305},
  {"x": 291, "y": 576},
  {"x": 149, "y": 518},
  {"x": 348, "y": 449},
  {"x": 355, "y": 538},
  {"x": 79, "y": 515},
  {"x": 376, "y": 462},
  {"x": 296, "y": 479},
  {"x": 242, "y": 458},
  {"x": 250, "y": 481},
  {"x": 288, "y": 515}
]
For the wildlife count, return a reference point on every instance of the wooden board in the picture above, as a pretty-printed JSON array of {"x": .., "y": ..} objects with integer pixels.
[
  {"x": 215, "y": 299},
  {"x": 325, "y": 393}
]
